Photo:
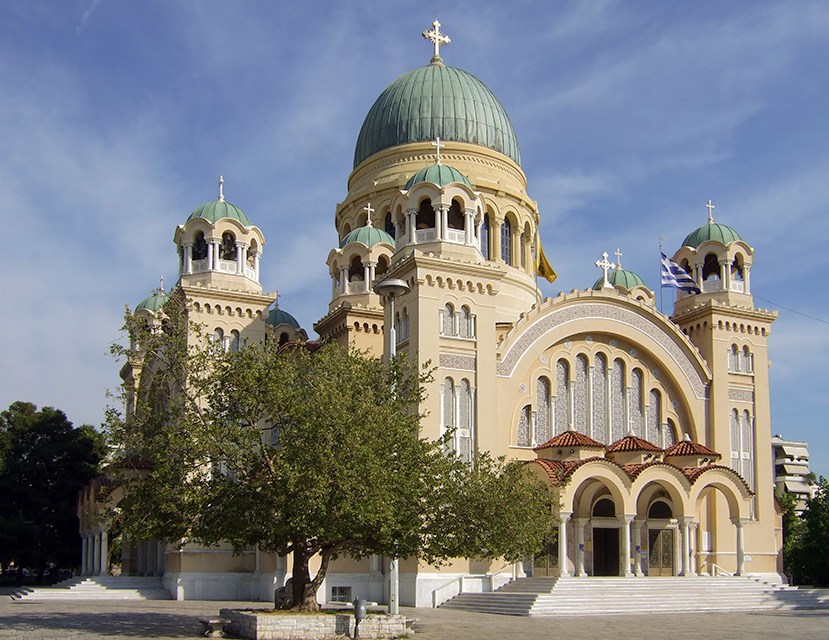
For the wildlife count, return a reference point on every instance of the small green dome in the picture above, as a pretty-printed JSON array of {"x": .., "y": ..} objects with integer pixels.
[
  {"x": 436, "y": 101},
  {"x": 621, "y": 278},
  {"x": 711, "y": 231},
  {"x": 277, "y": 317},
  {"x": 367, "y": 235},
  {"x": 154, "y": 302},
  {"x": 217, "y": 210},
  {"x": 438, "y": 174}
]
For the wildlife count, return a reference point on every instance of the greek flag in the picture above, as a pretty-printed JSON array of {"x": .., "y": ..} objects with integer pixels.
[{"x": 675, "y": 276}]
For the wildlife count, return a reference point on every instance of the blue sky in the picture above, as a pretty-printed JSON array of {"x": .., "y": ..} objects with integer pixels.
[{"x": 118, "y": 117}]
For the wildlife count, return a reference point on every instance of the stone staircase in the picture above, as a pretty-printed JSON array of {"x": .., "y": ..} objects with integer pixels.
[
  {"x": 615, "y": 596},
  {"x": 97, "y": 588}
]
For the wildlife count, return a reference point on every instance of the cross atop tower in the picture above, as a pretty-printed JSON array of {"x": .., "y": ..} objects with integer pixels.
[
  {"x": 437, "y": 144},
  {"x": 618, "y": 259},
  {"x": 368, "y": 211},
  {"x": 161, "y": 285},
  {"x": 710, "y": 209},
  {"x": 221, "y": 195},
  {"x": 437, "y": 38},
  {"x": 605, "y": 266}
]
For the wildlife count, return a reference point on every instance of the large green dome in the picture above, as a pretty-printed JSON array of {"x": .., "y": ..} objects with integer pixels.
[
  {"x": 432, "y": 102},
  {"x": 154, "y": 302},
  {"x": 621, "y": 278},
  {"x": 218, "y": 209},
  {"x": 277, "y": 317},
  {"x": 438, "y": 174},
  {"x": 711, "y": 231}
]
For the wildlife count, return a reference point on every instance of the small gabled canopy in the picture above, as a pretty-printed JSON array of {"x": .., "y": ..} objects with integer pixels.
[
  {"x": 686, "y": 447},
  {"x": 570, "y": 439},
  {"x": 631, "y": 443}
]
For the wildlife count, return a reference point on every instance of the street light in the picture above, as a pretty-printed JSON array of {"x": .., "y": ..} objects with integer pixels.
[{"x": 390, "y": 288}]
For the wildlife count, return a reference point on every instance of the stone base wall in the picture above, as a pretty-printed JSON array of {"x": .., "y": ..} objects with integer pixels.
[{"x": 263, "y": 626}]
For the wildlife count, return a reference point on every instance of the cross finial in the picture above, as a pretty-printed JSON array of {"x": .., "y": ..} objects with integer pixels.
[
  {"x": 605, "y": 266},
  {"x": 710, "y": 209},
  {"x": 368, "y": 211},
  {"x": 221, "y": 195},
  {"x": 618, "y": 259},
  {"x": 161, "y": 285},
  {"x": 437, "y": 144},
  {"x": 437, "y": 38}
]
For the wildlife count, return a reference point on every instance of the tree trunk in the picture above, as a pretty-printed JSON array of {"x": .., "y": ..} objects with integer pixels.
[{"x": 304, "y": 591}]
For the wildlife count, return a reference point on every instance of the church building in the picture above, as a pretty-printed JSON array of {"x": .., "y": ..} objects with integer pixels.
[{"x": 653, "y": 430}]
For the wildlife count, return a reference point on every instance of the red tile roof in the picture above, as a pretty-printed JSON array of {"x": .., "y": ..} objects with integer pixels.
[
  {"x": 632, "y": 443},
  {"x": 688, "y": 448},
  {"x": 694, "y": 473},
  {"x": 570, "y": 439}
]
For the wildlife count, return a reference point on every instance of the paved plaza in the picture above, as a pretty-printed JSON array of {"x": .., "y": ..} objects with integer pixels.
[{"x": 72, "y": 620}]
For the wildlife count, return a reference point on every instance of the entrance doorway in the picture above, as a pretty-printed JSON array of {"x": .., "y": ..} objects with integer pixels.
[
  {"x": 545, "y": 562},
  {"x": 605, "y": 552},
  {"x": 661, "y": 552}
]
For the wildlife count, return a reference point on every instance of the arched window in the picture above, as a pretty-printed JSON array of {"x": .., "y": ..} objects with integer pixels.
[
  {"x": 604, "y": 508},
  {"x": 747, "y": 448},
  {"x": 448, "y": 404},
  {"x": 746, "y": 361},
  {"x": 355, "y": 270},
  {"x": 425, "y": 215},
  {"x": 485, "y": 237},
  {"x": 660, "y": 510},
  {"x": 506, "y": 241},
  {"x": 562, "y": 414},
  {"x": 390, "y": 226},
  {"x": 404, "y": 326},
  {"x": 228, "y": 250},
  {"x": 465, "y": 323},
  {"x": 670, "y": 435},
  {"x": 524, "y": 427},
  {"x": 599, "y": 398},
  {"x": 283, "y": 338},
  {"x": 736, "y": 447},
  {"x": 381, "y": 268},
  {"x": 455, "y": 217},
  {"x": 218, "y": 338},
  {"x": 448, "y": 320},
  {"x": 199, "y": 247},
  {"x": 542, "y": 417},
  {"x": 733, "y": 359},
  {"x": 463, "y": 437},
  {"x": 711, "y": 267},
  {"x": 235, "y": 341}
]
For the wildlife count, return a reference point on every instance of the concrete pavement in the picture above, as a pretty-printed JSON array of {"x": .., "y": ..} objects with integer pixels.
[{"x": 170, "y": 619}]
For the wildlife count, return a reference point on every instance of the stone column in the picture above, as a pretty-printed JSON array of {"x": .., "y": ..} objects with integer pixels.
[
  {"x": 685, "y": 524},
  {"x": 241, "y": 257},
  {"x": 367, "y": 275},
  {"x": 187, "y": 248},
  {"x": 725, "y": 275},
  {"x": 256, "y": 255},
  {"x": 344, "y": 279},
  {"x": 84, "y": 553},
  {"x": 741, "y": 554},
  {"x": 746, "y": 274},
  {"x": 637, "y": 548},
  {"x": 580, "y": 524},
  {"x": 468, "y": 235},
  {"x": 563, "y": 517},
  {"x": 495, "y": 240},
  {"x": 216, "y": 253},
  {"x": 624, "y": 546},
  {"x": 693, "y": 560},
  {"x": 96, "y": 553},
  {"x": 412, "y": 215},
  {"x": 211, "y": 255},
  {"x": 104, "y": 566}
]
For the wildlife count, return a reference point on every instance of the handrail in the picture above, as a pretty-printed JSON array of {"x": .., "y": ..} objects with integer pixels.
[
  {"x": 460, "y": 579},
  {"x": 718, "y": 570}
]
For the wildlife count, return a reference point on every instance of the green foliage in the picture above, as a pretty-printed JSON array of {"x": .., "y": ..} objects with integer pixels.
[
  {"x": 792, "y": 528},
  {"x": 44, "y": 462},
  {"x": 807, "y": 553},
  {"x": 314, "y": 453}
]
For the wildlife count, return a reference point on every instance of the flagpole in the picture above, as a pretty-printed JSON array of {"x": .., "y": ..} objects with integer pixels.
[{"x": 661, "y": 286}]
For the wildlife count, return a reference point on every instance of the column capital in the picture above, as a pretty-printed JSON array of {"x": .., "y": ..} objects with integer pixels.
[
  {"x": 740, "y": 522},
  {"x": 564, "y": 516},
  {"x": 626, "y": 518}
]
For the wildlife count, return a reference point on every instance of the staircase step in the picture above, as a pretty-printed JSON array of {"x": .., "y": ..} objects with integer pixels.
[{"x": 98, "y": 588}]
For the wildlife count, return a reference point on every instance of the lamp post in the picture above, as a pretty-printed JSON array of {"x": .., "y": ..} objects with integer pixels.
[{"x": 390, "y": 288}]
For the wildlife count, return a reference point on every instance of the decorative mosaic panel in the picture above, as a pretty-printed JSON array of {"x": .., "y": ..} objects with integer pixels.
[
  {"x": 636, "y": 417},
  {"x": 448, "y": 403},
  {"x": 740, "y": 395},
  {"x": 580, "y": 395},
  {"x": 463, "y": 405},
  {"x": 457, "y": 361},
  {"x": 562, "y": 397},
  {"x": 600, "y": 400},
  {"x": 542, "y": 419},
  {"x": 596, "y": 310},
  {"x": 654, "y": 416},
  {"x": 617, "y": 401},
  {"x": 524, "y": 427}
]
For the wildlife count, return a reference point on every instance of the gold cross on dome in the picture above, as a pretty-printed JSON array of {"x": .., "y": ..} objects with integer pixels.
[
  {"x": 437, "y": 38},
  {"x": 605, "y": 266},
  {"x": 368, "y": 211},
  {"x": 221, "y": 195},
  {"x": 437, "y": 144},
  {"x": 710, "y": 207},
  {"x": 618, "y": 259}
]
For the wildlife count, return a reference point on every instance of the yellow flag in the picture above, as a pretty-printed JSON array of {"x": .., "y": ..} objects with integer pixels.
[{"x": 542, "y": 267}]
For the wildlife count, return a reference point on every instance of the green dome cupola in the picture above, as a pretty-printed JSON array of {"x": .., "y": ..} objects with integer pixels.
[
  {"x": 711, "y": 231},
  {"x": 436, "y": 101},
  {"x": 438, "y": 174},
  {"x": 219, "y": 210},
  {"x": 621, "y": 278},
  {"x": 367, "y": 235},
  {"x": 153, "y": 302},
  {"x": 278, "y": 317}
]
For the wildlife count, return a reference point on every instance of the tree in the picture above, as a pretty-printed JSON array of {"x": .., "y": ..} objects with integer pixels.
[
  {"x": 314, "y": 452},
  {"x": 44, "y": 462},
  {"x": 792, "y": 529},
  {"x": 809, "y": 561}
]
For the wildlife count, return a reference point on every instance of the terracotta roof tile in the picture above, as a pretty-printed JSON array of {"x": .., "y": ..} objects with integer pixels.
[
  {"x": 632, "y": 443},
  {"x": 570, "y": 439},
  {"x": 694, "y": 473},
  {"x": 688, "y": 448}
]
